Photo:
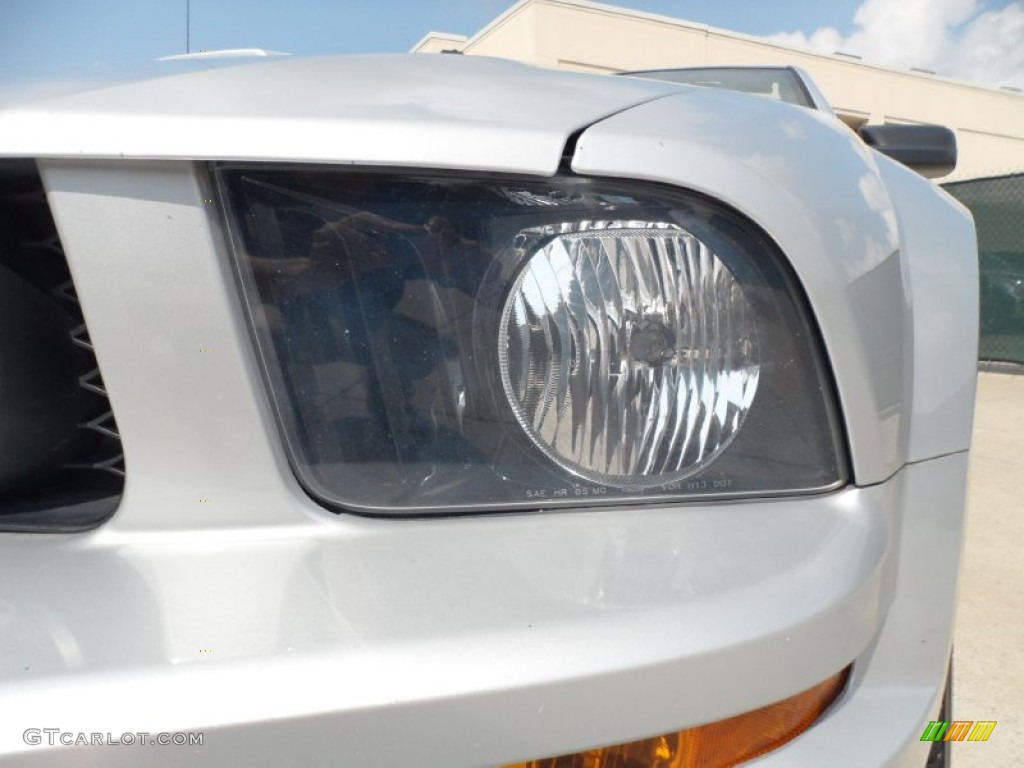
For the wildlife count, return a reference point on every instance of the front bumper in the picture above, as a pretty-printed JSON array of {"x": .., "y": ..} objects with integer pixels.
[{"x": 478, "y": 641}]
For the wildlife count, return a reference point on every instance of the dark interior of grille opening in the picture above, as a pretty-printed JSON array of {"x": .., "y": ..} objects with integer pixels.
[{"x": 61, "y": 464}]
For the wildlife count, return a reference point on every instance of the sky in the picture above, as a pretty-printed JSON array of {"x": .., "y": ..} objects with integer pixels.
[{"x": 45, "y": 42}]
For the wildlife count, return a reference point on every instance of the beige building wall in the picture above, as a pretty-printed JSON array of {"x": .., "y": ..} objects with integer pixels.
[{"x": 592, "y": 37}]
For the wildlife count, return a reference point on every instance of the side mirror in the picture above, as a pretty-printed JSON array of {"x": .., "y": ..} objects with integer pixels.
[{"x": 928, "y": 149}]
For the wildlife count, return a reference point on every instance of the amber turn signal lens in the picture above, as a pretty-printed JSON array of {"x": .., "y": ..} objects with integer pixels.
[{"x": 716, "y": 745}]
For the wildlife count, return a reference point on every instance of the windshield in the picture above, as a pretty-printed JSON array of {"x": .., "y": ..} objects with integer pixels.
[{"x": 780, "y": 83}]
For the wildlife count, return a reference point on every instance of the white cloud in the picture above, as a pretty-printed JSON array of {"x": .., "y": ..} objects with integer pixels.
[{"x": 955, "y": 38}]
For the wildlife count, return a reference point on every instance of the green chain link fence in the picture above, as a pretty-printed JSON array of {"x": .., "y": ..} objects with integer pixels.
[{"x": 998, "y": 207}]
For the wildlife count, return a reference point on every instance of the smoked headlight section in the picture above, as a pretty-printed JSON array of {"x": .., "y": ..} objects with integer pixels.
[{"x": 435, "y": 343}]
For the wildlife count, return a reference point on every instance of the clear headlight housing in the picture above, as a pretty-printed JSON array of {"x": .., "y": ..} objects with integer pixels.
[{"x": 437, "y": 343}]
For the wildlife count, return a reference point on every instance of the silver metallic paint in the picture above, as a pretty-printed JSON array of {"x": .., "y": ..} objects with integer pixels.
[
  {"x": 477, "y": 640},
  {"x": 938, "y": 244},
  {"x": 443, "y": 111},
  {"x": 474, "y": 641}
]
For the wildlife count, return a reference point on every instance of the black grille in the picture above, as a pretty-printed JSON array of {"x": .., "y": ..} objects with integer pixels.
[{"x": 79, "y": 483}]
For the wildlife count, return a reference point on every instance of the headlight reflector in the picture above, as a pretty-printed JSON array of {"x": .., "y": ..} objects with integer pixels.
[{"x": 628, "y": 355}]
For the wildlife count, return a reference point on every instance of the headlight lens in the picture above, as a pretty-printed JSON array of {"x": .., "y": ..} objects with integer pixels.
[
  {"x": 438, "y": 343},
  {"x": 628, "y": 353}
]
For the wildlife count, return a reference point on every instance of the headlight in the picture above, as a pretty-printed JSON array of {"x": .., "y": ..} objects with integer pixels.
[{"x": 441, "y": 343}]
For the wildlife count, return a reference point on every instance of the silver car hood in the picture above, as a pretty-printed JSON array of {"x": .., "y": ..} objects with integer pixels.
[{"x": 482, "y": 114}]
